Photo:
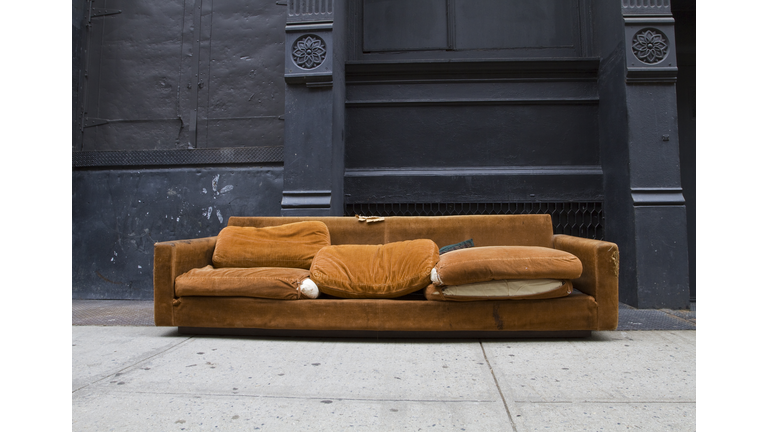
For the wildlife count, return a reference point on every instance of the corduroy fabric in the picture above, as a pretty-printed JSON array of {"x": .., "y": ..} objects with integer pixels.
[
  {"x": 481, "y": 264},
  {"x": 484, "y": 230},
  {"x": 574, "y": 312},
  {"x": 438, "y": 293},
  {"x": 279, "y": 283},
  {"x": 291, "y": 245},
  {"x": 597, "y": 309},
  {"x": 171, "y": 260},
  {"x": 600, "y": 277},
  {"x": 343, "y": 230},
  {"x": 374, "y": 271}
]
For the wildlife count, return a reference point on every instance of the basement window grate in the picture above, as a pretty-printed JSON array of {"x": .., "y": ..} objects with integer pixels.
[{"x": 581, "y": 219}]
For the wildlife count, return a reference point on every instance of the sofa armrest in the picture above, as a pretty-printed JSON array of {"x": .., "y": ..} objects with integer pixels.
[
  {"x": 174, "y": 258},
  {"x": 600, "y": 276}
]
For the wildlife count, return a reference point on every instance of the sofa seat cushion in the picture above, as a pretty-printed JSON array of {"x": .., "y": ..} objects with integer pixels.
[
  {"x": 291, "y": 245},
  {"x": 374, "y": 271},
  {"x": 507, "y": 289},
  {"x": 482, "y": 264},
  {"x": 278, "y": 283}
]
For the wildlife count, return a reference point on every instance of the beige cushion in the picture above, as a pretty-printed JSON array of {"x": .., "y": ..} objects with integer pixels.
[
  {"x": 292, "y": 245},
  {"x": 374, "y": 271},
  {"x": 509, "y": 289},
  {"x": 482, "y": 264},
  {"x": 260, "y": 282}
]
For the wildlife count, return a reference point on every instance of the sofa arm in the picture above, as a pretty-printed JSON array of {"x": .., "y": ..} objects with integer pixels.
[
  {"x": 600, "y": 276},
  {"x": 174, "y": 258}
]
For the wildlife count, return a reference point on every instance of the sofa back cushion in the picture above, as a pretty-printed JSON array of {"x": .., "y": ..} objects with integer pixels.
[
  {"x": 485, "y": 230},
  {"x": 343, "y": 230},
  {"x": 374, "y": 271},
  {"x": 291, "y": 245}
]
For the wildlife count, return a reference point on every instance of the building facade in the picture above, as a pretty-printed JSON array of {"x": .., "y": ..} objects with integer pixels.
[{"x": 187, "y": 112}]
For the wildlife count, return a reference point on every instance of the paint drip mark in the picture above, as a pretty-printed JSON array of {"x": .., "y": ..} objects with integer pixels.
[{"x": 218, "y": 215}]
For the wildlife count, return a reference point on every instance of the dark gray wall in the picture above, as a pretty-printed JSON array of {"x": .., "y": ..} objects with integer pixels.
[
  {"x": 619, "y": 218},
  {"x": 182, "y": 74},
  {"x": 118, "y": 215},
  {"x": 684, "y": 12},
  {"x": 527, "y": 105},
  {"x": 178, "y": 119},
  {"x": 488, "y": 101}
]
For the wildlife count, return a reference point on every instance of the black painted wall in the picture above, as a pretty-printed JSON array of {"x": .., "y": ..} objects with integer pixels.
[
  {"x": 436, "y": 101},
  {"x": 118, "y": 215},
  {"x": 178, "y": 124},
  {"x": 684, "y": 12},
  {"x": 490, "y": 101}
]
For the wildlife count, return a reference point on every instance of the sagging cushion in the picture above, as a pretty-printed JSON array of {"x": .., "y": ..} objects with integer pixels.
[
  {"x": 508, "y": 289},
  {"x": 482, "y": 264},
  {"x": 292, "y": 245},
  {"x": 374, "y": 271},
  {"x": 278, "y": 283}
]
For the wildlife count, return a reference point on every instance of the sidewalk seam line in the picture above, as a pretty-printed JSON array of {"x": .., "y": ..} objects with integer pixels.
[
  {"x": 503, "y": 400},
  {"x": 133, "y": 364}
]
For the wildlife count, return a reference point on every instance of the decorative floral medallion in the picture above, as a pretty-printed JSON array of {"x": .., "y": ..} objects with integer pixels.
[
  {"x": 309, "y": 51},
  {"x": 650, "y": 46}
]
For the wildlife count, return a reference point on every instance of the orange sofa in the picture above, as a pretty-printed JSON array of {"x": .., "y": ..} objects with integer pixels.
[{"x": 593, "y": 304}]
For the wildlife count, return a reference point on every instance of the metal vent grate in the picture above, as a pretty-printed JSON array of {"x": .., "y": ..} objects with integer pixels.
[{"x": 582, "y": 219}]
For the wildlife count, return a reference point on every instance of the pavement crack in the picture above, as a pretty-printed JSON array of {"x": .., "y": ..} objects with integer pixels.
[
  {"x": 309, "y": 398},
  {"x": 106, "y": 376},
  {"x": 496, "y": 381}
]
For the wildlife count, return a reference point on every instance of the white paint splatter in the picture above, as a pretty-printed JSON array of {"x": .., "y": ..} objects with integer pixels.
[
  {"x": 177, "y": 219},
  {"x": 210, "y": 210},
  {"x": 215, "y": 183},
  {"x": 205, "y": 191},
  {"x": 227, "y": 188},
  {"x": 218, "y": 215},
  {"x": 139, "y": 266}
]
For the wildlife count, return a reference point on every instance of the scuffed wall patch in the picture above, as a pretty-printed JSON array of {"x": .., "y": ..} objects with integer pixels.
[{"x": 118, "y": 216}]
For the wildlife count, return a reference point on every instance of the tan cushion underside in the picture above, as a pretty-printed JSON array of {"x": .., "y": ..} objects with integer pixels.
[
  {"x": 374, "y": 271},
  {"x": 501, "y": 290},
  {"x": 259, "y": 282},
  {"x": 504, "y": 288},
  {"x": 292, "y": 245}
]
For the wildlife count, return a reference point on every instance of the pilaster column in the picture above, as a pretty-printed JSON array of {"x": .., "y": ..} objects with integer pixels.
[
  {"x": 661, "y": 246},
  {"x": 314, "y": 109}
]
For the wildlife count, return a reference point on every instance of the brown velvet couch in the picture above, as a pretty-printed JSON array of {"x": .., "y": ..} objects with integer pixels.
[{"x": 593, "y": 304}]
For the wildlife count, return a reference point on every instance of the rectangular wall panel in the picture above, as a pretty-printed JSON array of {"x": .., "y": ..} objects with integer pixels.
[
  {"x": 473, "y": 136},
  {"x": 494, "y": 24}
]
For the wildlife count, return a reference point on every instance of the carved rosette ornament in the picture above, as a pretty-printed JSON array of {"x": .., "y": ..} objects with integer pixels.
[
  {"x": 309, "y": 51},
  {"x": 650, "y": 45}
]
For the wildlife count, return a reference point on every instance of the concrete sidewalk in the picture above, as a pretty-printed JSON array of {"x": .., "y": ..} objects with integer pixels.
[{"x": 127, "y": 378}]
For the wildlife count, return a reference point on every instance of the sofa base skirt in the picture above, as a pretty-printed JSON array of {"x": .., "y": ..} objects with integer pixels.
[
  {"x": 368, "y": 334},
  {"x": 576, "y": 312}
]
